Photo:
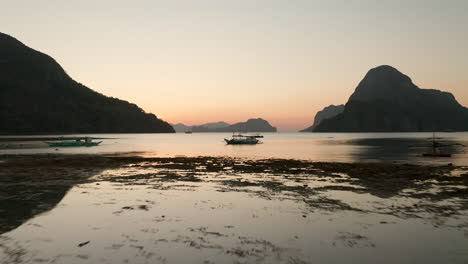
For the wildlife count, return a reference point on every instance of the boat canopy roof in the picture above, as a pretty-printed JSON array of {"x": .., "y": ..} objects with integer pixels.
[{"x": 242, "y": 136}]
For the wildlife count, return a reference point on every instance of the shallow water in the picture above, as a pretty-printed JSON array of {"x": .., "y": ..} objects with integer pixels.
[
  {"x": 334, "y": 147},
  {"x": 201, "y": 225},
  {"x": 147, "y": 213}
]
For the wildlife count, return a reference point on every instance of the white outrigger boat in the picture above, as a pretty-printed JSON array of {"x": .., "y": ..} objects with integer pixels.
[{"x": 239, "y": 139}]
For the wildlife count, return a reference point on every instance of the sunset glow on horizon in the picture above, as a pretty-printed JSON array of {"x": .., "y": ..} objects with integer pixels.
[{"x": 195, "y": 62}]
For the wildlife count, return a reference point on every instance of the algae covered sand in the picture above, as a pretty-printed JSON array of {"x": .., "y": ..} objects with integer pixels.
[{"x": 130, "y": 209}]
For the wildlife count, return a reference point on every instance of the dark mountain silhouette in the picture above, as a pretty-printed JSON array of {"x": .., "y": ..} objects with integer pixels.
[
  {"x": 326, "y": 113},
  {"x": 183, "y": 128},
  {"x": 37, "y": 97},
  {"x": 387, "y": 101}
]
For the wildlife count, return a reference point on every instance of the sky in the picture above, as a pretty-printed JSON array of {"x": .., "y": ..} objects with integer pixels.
[{"x": 199, "y": 61}]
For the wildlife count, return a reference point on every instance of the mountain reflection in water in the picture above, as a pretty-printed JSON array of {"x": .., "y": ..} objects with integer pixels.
[{"x": 27, "y": 191}]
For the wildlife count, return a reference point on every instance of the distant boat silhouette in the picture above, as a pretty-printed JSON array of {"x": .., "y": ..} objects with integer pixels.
[
  {"x": 436, "y": 145},
  {"x": 88, "y": 142}
]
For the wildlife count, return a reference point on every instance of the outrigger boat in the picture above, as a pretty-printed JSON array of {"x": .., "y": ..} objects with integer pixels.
[
  {"x": 436, "y": 145},
  {"x": 239, "y": 139},
  {"x": 87, "y": 142}
]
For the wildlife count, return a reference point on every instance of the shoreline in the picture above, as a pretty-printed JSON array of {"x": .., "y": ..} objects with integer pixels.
[
  {"x": 384, "y": 180},
  {"x": 378, "y": 173},
  {"x": 139, "y": 156},
  {"x": 122, "y": 158},
  {"x": 299, "y": 178},
  {"x": 44, "y": 138}
]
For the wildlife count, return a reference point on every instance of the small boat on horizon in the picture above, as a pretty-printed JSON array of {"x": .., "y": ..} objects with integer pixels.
[
  {"x": 85, "y": 142},
  {"x": 239, "y": 139}
]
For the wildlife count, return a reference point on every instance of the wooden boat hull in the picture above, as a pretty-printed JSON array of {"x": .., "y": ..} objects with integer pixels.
[
  {"x": 240, "y": 142},
  {"x": 437, "y": 155},
  {"x": 73, "y": 144}
]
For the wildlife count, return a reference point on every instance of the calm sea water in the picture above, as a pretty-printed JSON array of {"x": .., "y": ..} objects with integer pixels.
[
  {"x": 148, "y": 214},
  {"x": 338, "y": 147}
]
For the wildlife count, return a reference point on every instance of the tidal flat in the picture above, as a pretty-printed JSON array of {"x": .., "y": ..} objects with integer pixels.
[{"x": 133, "y": 209}]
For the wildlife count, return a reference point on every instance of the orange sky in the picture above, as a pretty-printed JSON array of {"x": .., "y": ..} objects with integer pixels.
[{"x": 203, "y": 61}]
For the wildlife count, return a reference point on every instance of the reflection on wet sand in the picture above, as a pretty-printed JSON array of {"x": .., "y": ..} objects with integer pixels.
[
  {"x": 34, "y": 200},
  {"x": 228, "y": 210}
]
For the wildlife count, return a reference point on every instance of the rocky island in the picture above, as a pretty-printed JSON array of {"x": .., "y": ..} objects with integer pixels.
[
  {"x": 251, "y": 125},
  {"x": 386, "y": 100}
]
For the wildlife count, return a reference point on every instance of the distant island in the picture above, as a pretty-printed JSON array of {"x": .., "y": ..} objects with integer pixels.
[
  {"x": 251, "y": 125},
  {"x": 183, "y": 128},
  {"x": 38, "y": 97},
  {"x": 386, "y": 100}
]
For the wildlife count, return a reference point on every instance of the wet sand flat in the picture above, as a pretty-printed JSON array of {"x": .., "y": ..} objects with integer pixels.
[{"x": 130, "y": 209}]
